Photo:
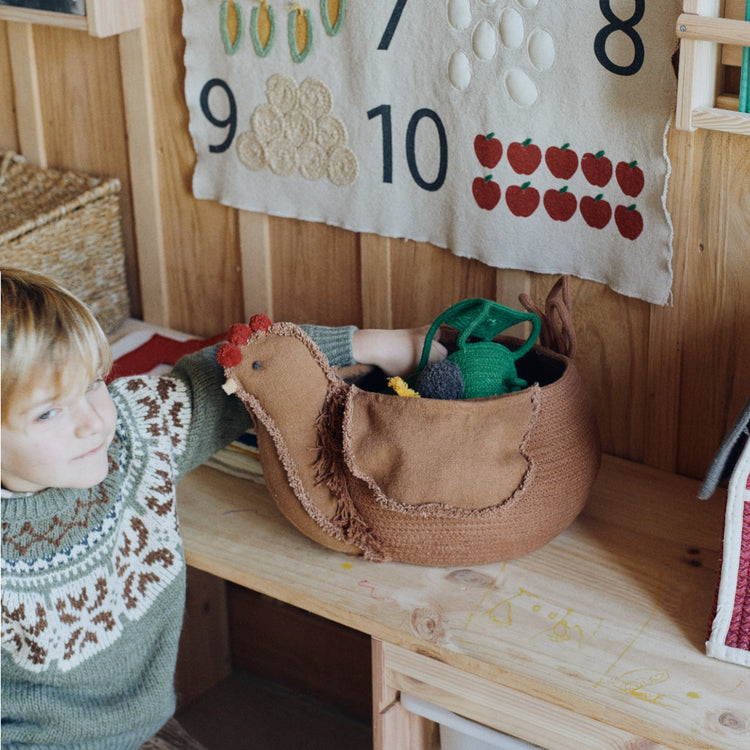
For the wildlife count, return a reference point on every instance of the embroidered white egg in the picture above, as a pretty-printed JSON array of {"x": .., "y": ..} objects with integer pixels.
[
  {"x": 511, "y": 28},
  {"x": 459, "y": 70},
  {"x": 520, "y": 87},
  {"x": 484, "y": 41},
  {"x": 529, "y": 3},
  {"x": 459, "y": 14},
  {"x": 541, "y": 49}
]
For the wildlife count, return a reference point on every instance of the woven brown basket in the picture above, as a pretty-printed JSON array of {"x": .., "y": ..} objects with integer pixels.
[
  {"x": 420, "y": 480},
  {"x": 66, "y": 225}
]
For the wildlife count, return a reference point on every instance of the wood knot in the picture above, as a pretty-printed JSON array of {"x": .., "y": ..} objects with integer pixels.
[
  {"x": 427, "y": 624},
  {"x": 469, "y": 577},
  {"x": 732, "y": 721}
]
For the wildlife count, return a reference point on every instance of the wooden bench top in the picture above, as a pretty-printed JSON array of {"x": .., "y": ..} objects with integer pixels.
[{"x": 608, "y": 620}]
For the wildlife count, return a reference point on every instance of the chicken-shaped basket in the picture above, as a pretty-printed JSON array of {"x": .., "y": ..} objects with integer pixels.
[{"x": 420, "y": 480}]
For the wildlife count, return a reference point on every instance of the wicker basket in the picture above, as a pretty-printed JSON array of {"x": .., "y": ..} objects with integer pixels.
[{"x": 66, "y": 225}]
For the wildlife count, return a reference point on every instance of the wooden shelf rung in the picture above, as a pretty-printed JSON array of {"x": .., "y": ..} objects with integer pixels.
[
  {"x": 719, "y": 30},
  {"x": 721, "y": 119}
]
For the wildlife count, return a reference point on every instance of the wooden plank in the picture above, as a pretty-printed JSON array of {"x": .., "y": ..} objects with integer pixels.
[
  {"x": 109, "y": 17},
  {"x": 43, "y": 17},
  {"x": 375, "y": 260},
  {"x": 29, "y": 120},
  {"x": 8, "y": 127},
  {"x": 722, "y": 119},
  {"x": 509, "y": 711},
  {"x": 317, "y": 276},
  {"x": 616, "y": 637},
  {"x": 712, "y": 313},
  {"x": 697, "y": 80},
  {"x": 393, "y": 726},
  {"x": 144, "y": 176},
  {"x": 666, "y": 324},
  {"x": 718, "y": 30},
  {"x": 255, "y": 252},
  {"x": 201, "y": 247}
]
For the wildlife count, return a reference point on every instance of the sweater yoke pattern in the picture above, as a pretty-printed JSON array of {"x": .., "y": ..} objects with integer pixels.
[{"x": 74, "y": 578}]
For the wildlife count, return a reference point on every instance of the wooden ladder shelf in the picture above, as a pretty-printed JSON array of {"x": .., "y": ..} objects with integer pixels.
[{"x": 709, "y": 42}]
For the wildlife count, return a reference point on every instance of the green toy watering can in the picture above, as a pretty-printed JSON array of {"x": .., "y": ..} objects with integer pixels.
[{"x": 487, "y": 367}]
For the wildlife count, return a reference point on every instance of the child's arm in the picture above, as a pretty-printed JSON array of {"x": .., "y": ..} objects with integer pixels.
[{"x": 396, "y": 352}]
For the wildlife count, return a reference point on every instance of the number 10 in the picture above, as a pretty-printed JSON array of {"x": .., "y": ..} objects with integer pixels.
[{"x": 384, "y": 110}]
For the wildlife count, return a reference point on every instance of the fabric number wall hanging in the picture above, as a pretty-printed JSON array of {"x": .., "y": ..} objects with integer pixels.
[{"x": 527, "y": 134}]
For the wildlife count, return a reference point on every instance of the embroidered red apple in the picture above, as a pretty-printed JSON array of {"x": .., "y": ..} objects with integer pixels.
[
  {"x": 524, "y": 157},
  {"x": 630, "y": 178},
  {"x": 560, "y": 204},
  {"x": 629, "y": 221},
  {"x": 486, "y": 192},
  {"x": 596, "y": 168},
  {"x": 595, "y": 211},
  {"x": 561, "y": 161},
  {"x": 522, "y": 200},
  {"x": 488, "y": 149}
]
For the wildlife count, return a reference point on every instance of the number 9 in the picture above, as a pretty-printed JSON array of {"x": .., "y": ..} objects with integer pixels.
[{"x": 230, "y": 121}]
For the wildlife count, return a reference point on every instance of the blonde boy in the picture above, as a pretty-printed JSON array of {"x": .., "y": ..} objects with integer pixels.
[{"x": 93, "y": 570}]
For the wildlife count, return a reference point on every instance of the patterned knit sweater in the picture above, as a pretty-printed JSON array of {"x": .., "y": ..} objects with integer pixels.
[{"x": 93, "y": 581}]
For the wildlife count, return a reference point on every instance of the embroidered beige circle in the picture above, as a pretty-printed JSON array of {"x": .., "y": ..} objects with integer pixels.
[
  {"x": 343, "y": 166},
  {"x": 331, "y": 132},
  {"x": 267, "y": 122},
  {"x": 280, "y": 153},
  {"x": 250, "y": 150},
  {"x": 315, "y": 97},
  {"x": 282, "y": 92},
  {"x": 298, "y": 127},
  {"x": 312, "y": 161}
]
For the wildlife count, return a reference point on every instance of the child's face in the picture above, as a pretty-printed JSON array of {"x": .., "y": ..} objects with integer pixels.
[{"x": 57, "y": 440}]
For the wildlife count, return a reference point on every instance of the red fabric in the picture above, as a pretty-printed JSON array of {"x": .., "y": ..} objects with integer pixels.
[{"x": 158, "y": 350}]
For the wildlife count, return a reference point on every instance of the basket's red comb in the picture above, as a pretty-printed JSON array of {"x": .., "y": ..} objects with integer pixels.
[{"x": 260, "y": 322}]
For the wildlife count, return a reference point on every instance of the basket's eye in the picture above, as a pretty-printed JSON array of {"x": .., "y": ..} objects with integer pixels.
[{"x": 257, "y": 364}]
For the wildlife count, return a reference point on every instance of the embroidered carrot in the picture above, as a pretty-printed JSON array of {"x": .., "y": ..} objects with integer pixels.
[
  {"x": 332, "y": 14},
  {"x": 300, "y": 32},
  {"x": 230, "y": 26},
  {"x": 262, "y": 28}
]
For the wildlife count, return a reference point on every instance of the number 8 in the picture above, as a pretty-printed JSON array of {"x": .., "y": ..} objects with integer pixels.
[{"x": 627, "y": 26}]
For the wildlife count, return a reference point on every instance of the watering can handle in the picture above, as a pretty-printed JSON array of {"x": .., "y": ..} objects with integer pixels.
[{"x": 483, "y": 319}]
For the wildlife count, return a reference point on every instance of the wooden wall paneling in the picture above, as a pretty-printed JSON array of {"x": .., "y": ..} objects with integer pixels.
[
  {"x": 316, "y": 273},
  {"x": 202, "y": 254},
  {"x": 26, "y": 96},
  {"x": 738, "y": 271},
  {"x": 255, "y": 251},
  {"x": 377, "y": 294},
  {"x": 667, "y": 323},
  {"x": 612, "y": 334},
  {"x": 717, "y": 259},
  {"x": 429, "y": 279},
  {"x": 83, "y": 116},
  {"x": 8, "y": 129},
  {"x": 139, "y": 113}
]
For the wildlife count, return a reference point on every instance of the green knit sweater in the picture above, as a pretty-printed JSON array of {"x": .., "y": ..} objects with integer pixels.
[{"x": 93, "y": 581}]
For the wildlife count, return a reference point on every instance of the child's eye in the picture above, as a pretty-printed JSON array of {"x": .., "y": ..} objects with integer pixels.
[{"x": 47, "y": 415}]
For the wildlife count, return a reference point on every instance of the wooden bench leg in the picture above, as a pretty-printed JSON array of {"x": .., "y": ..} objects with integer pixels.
[{"x": 393, "y": 727}]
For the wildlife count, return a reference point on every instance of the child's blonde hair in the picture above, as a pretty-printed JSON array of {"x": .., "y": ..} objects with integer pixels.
[{"x": 46, "y": 330}]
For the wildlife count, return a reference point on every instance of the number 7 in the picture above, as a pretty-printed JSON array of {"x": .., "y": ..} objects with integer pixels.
[{"x": 390, "y": 29}]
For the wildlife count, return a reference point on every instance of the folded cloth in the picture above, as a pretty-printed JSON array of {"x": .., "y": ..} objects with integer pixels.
[{"x": 729, "y": 629}]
